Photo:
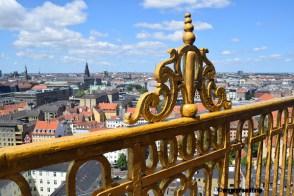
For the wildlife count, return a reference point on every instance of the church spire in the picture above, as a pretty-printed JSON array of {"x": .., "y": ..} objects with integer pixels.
[
  {"x": 26, "y": 73},
  {"x": 87, "y": 72}
]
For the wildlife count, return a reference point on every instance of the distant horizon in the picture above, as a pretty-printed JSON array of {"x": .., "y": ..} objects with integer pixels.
[
  {"x": 137, "y": 37},
  {"x": 36, "y": 73}
]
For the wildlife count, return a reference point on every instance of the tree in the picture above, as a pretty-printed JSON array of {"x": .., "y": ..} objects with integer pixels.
[
  {"x": 80, "y": 93},
  {"x": 122, "y": 162},
  {"x": 129, "y": 88},
  {"x": 142, "y": 90},
  {"x": 232, "y": 158},
  {"x": 244, "y": 161},
  {"x": 254, "y": 149}
]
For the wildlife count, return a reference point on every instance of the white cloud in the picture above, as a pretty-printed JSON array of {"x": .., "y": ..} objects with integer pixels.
[
  {"x": 226, "y": 52},
  {"x": 143, "y": 35},
  {"x": 149, "y": 44},
  {"x": 288, "y": 60},
  {"x": 236, "y": 59},
  {"x": 95, "y": 34},
  {"x": 143, "y": 48},
  {"x": 34, "y": 55},
  {"x": 175, "y": 36},
  {"x": 2, "y": 55},
  {"x": 259, "y": 48},
  {"x": 191, "y": 4},
  {"x": 270, "y": 57},
  {"x": 15, "y": 10},
  {"x": 43, "y": 33},
  {"x": 235, "y": 39},
  {"x": 14, "y": 16},
  {"x": 275, "y": 56},
  {"x": 173, "y": 25}
]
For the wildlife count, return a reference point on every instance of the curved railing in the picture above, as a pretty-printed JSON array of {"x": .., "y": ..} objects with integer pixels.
[
  {"x": 244, "y": 149},
  {"x": 177, "y": 151}
]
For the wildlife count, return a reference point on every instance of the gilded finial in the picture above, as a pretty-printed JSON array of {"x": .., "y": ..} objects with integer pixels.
[
  {"x": 188, "y": 36},
  {"x": 185, "y": 72}
]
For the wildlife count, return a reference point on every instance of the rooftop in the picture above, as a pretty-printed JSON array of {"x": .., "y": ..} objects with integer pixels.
[{"x": 46, "y": 125}]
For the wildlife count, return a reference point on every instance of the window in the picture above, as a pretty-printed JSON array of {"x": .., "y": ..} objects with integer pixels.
[
  {"x": 48, "y": 182},
  {"x": 55, "y": 182},
  {"x": 41, "y": 181},
  {"x": 54, "y": 174},
  {"x": 41, "y": 188},
  {"x": 48, "y": 190},
  {"x": 40, "y": 173}
]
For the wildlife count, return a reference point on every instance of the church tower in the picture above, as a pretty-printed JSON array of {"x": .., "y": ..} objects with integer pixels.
[
  {"x": 87, "y": 72},
  {"x": 26, "y": 73}
]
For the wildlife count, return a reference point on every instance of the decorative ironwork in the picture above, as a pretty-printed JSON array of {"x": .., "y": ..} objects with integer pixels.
[
  {"x": 185, "y": 156},
  {"x": 198, "y": 74}
]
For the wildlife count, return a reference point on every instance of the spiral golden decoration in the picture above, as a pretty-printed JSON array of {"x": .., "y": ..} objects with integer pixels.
[{"x": 192, "y": 72}]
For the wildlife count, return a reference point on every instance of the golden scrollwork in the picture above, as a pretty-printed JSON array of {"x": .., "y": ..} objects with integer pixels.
[{"x": 192, "y": 72}]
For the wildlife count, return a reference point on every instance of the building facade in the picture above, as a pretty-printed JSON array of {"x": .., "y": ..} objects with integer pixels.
[
  {"x": 11, "y": 133},
  {"x": 43, "y": 181}
]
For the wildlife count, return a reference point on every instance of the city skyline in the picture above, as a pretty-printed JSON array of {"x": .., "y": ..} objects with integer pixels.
[{"x": 135, "y": 35}]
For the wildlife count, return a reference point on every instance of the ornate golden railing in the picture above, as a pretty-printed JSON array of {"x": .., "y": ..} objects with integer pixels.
[
  {"x": 188, "y": 155},
  {"x": 177, "y": 149}
]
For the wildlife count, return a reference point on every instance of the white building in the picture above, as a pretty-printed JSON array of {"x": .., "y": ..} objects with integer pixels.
[
  {"x": 115, "y": 123},
  {"x": 232, "y": 93},
  {"x": 112, "y": 157},
  {"x": 43, "y": 181}
]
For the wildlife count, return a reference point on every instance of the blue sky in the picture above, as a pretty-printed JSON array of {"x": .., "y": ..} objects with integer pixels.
[{"x": 134, "y": 35}]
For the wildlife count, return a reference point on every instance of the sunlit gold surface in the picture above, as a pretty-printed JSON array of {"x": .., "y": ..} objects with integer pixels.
[
  {"x": 186, "y": 146},
  {"x": 192, "y": 71}
]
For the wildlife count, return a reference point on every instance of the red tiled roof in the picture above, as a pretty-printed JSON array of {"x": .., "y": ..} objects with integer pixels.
[
  {"x": 177, "y": 109},
  {"x": 242, "y": 90},
  {"x": 40, "y": 87},
  {"x": 265, "y": 96},
  {"x": 88, "y": 124},
  {"x": 46, "y": 125},
  {"x": 107, "y": 106},
  {"x": 24, "y": 85},
  {"x": 113, "y": 117},
  {"x": 15, "y": 106},
  {"x": 131, "y": 110},
  {"x": 86, "y": 114},
  {"x": 11, "y": 108},
  {"x": 201, "y": 107},
  {"x": 4, "y": 112}
]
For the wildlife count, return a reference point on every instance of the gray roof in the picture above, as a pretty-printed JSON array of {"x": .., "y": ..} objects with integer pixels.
[
  {"x": 10, "y": 123},
  {"x": 88, "y": 179},
  {"x": 60, "y": 167},
  {"x": 20, "y": 114},
  {"x": 52, "y": 107}
]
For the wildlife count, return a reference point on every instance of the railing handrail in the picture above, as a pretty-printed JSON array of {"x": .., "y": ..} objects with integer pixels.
[{"x": 25, "y": 157}]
